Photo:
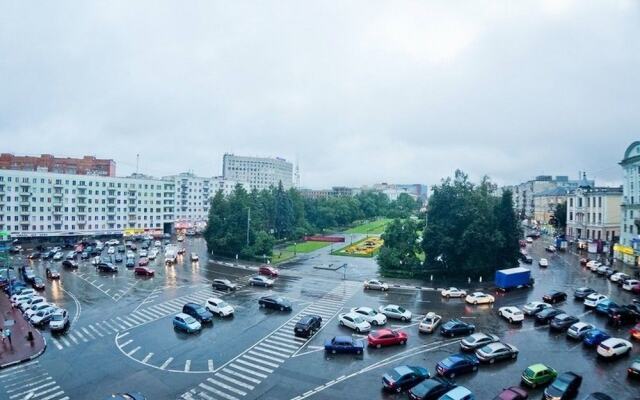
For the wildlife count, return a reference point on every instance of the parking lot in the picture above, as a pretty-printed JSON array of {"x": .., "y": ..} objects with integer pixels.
[{"x": 121, "y": 337}]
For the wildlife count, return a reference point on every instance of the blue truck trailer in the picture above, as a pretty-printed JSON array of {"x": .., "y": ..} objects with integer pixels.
[{"x": 513, "y": 278}]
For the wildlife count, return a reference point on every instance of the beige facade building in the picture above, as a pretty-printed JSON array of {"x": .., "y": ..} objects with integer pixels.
[
  {"x": 593, "y": 214},
  {"x": 545, "y": 203}
]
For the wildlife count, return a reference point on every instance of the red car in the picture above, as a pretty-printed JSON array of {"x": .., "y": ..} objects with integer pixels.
[
  {"x": 512, "y": 393},
  {"x": 635, "y": 289},
  {"x": 268, "y": 271},
  {"x": 143, "y": 261},
  {"x": 386, "y": 337},
  {"x": 145, "y": 271},
  {"x": 635, "y": 332}
]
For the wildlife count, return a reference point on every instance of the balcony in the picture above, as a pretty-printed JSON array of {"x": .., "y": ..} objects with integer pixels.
[
  {"x": 25, "y": 185},
  {"x": 57, "y": 194},
  {"x": 25, "y": 212},
  {"x": 81, "y": 212},
  {"x": 132, "y": 218},
  {"x": 24, "y": 203},
  {"x": 58, "y": 185},
  {"x": 57, "y": 212}
]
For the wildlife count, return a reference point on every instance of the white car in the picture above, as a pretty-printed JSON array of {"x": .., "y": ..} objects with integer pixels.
[
  {"x": 601, "y": 270},
  {"x": 594, "y": 299},
  {"x": 96, "y": 260},
  {"x": 376, "y": 284},
  {"x": 42, "y": 316},
  {"x": 21, "y": 298},
  {"x": 593, "y": 265},
  {"x": 629, "y": 283},
  {"x": 58, "y": 256},
  {"x": 453, "y": 292},
  {"x": 152, "y": 254},
  {"x": 59, "y": 320},
  {"x": 511, "y": 314},
  {"x": 143, "y": 253},
  {"x": 429, "y": 323},
  {"x": 130, "y": 254},
  {"x": 577, "y": 330},
  {"x": 619, "y": 277},
  {"x": 529, "y": 240},
  {"x": 534, "y": 307},
  {"x": 157, "y": 243},
  {"x": 111, "y": 250},
  {"x": 543, "y": 262},
  {"x": 395, "y": 312},
  {"x": 113, "y": 242},
  {"x": 370, "y": 315},
  {"x": 31, "y": 311},
  {"x": 479, "y": 298},
  {"x": 219, "y": 307},
  {"x": 354, "y": 321},
  {"x": 70, "y": 255},
  {"x": 23, "y": 305},
  {"x": 614, "y": 347}
]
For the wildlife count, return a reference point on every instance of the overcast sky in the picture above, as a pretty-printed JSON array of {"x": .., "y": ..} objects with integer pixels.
[{"x": 358, "y": 92}]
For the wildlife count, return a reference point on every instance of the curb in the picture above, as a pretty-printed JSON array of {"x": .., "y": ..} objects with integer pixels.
[{"x": 31, "y": 357}]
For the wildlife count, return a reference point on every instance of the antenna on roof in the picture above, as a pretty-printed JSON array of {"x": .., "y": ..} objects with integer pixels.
[{"x": 137, "y": 162}]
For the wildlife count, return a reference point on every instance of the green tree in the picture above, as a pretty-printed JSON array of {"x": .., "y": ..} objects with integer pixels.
[
  {"x": 284, "y": 213},
  {"x": 400, "y": 247},
  {"x": 560, "y": 216},
  {"x": 509, "y": 230}
]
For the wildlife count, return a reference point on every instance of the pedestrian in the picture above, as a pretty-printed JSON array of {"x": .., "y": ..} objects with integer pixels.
[
  {"x": 2, "y": 334},
  {"x": 8, "y": 335}
]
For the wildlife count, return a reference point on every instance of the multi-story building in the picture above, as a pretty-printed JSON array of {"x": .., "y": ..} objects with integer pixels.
[
  {"x": 628, "y": 250},
  {"x": 258, "y": 172},
  {"x": 193, "y": 196},
  {"x": 416, "y": 190},
  {"x": 88, "y": 165},
  {"x": 336, "y": 191},
  {"x": 40, "y": 203},
  {"x": 593, "y": 217},
  {"x": 545, "y": 203}
]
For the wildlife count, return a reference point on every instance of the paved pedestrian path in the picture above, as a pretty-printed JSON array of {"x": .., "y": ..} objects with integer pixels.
[
  {"x": 20, "y": 348},
  {"x": 29, "y": 381},
  {"x": 241, "y": 375}
]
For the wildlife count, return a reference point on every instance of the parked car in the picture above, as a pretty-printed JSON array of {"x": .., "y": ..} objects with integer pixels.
[
  {"x": 578, "y": 330},
  {"x": 543, "y": 262},
  {"x": 527, "y": 259},
  {"x": 194, "y": 257},
  {"x": 22, "y": 294},
  {"x": 354, "y": 321},
  {"x": 554, "y": 297},
  {"x": 479, "y": 298},
  {"x": 268, "y": 271},
  {"x": 70, "y": 255},
  {"x": 59, "y": 320},
  {"x": 260, "y": 281},
  {"x": 431, "y": 389},
  {"x": 344, "y": 344},
  {"x": 275, "y": 302},
  {"x": 107, "y": 267},
  {"x": 603, "y": 269},
  {"x": 497, "y": 351},
  {"x": 565, "y": 386},
  {"x": 375, "y": 284},
  {"x": 386, "y": 337},
  {"x": 594, "y": 337},
  {"x": 52, "y": 273},
  {"x": 130, "y": 263},
  {"x": 456, "y": 327},
  {"x": 144, "y": 271},
  {"x": 550, "y": 249},
  {"x": 511, "y": 314},
  {"x": 37, "y": 283},
  {"x": 453, "y": 292},
  {"x": 370, "y": 315},
  {"x": 635, "y": 332},
  {"x": 582, "y": 292},
  {"x": 634, "y": 369},
  {"x": 58, "y": 256},
  {"x": 307, "y": 326},
  {"x": 219, "y": 307},
  {"x": 395, "y": 312},
  {"x": 538, "y": 375},
  {"x": 604, "y": 306},
  {"x": 198, "y": 312},
  {"x": 34, "y": 256},
  {"x": 477, "y": 340},
  {"x": 592, "y": 300},
  {"x": 30, "y": 301},
  {"x": 42, "y": 316},
  {"x": 32, "y": 310},
  {"x": 458, "y": 393},
  {"x": 621, "y": 316},
  {"x": 429, "y": 323},
  {"x": 457, "y": 364},
  {"x": 562, "y": 322},
  {"x": 223, "y": 284},
  {"x": 70, "y": 264},
  {"x": 534, "y": 307},
  {"x": 546, "y": 315},
  {"x": 186, "y": 323},
  {"x": 404, "y": 377},
  {"x": 142, "y": 261},
  {"x": 512, "y": 393},
  {"x": 28, "y": 274},
  {"x": 614, "y": 347},
  {"x": 628, "y": 284}
]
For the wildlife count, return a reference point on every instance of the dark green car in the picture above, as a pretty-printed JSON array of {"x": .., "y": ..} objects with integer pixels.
[{"x": 538, "y": 374}]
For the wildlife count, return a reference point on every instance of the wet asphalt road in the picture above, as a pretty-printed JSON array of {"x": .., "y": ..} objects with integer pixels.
[{"x": 122, "y": 340}]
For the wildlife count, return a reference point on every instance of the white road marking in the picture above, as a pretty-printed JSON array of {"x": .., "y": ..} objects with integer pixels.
[
  {"x": 133, "y": 351},
  {"x": 164, "y": 365},
  {"x": 146, "y": 358},
  {"x": 210, "y": 365},
  {"x": 187, "y": 366}
]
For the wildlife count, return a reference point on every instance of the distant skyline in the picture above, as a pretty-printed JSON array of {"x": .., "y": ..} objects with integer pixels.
[{"x": 357, "y": 92}]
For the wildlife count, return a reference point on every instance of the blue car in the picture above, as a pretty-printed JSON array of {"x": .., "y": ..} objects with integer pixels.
[
  {"x": 457, "y": 364},
  {"x": 604, "y": 306},
  {"x": 186, "y": 323},
  {"x": 404, "y": 377},
  {"x": 455, "y": 327},
  {"x": 344, "y": 344},
  {"x": 594, "y": 337}
]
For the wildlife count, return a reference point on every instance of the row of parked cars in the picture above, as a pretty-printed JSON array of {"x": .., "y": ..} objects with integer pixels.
[
  {"x": 623, "y": 280},
  {"x": 38, "y": 311}
]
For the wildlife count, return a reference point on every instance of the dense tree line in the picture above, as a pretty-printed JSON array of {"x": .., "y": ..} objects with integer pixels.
[
  {"x": 278, "y": 214},
  {"x": 470, "y": 231}
]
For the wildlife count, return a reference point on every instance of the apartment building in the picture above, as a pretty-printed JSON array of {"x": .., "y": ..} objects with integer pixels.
[
  {"x": 87, "y": 165},
  {"x": 258, "y": 172},
  {"x": 41, "y": 203},
  {"x": 593, "y": 215},
  {"x": 628, "y": 250}
]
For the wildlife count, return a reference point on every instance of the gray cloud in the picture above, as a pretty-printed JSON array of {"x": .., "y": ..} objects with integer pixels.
[{"x": 359, "y": 92}]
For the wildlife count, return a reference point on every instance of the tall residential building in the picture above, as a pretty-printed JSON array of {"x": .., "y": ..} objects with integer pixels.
[
  {"x": 38, "y": 203},
  {"x": 193, "y": 197},
  {"x": 593, "y": 215},
  {"x": 628, "y": 250},
  {"x": 88, "y": 165},
  {"x": 258, "y": 172}
]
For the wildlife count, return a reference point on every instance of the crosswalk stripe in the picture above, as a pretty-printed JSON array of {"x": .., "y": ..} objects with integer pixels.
[
  {"x": 80, "y": 335},
  {"x": 137, "y": 319},
  {"x": 248, "y": 371},
  {"x": 65, "y": 341},
  {"x": 96, "y": 331},
  {"x": 23, "y": 385},
  {"x": 164, "y": 365},
  {"x": 88, "y": 333},
  {"x": 205, "y": 396},
  {"x": 110, "y": 326},
  {"x": 133, "y": 351},
  {"x": 281, "y": 343},
  {"x": 227, "y": 387},
  {"x": 267, "y": 356},
  {"x": 241, "y": 361},
  {"x": 260, "y": 361},
  {"x": 58, "y": 345},
  {"x": 72, "y": 338},
  {"x": 287, "y": 335},
  {"x": 216, "y": 391},
  {"x": 268, "y": 346},
  {"x": 275, "y": 353},
  {"x": 149, "y": 315},
  {"x": 128, "y": 324},
  {"x": 165, "y": 309},
  {"x": 23, "y": 393},
  {"x": 239, "y": 375},
  {"x": 53, "y": 396},
  {"x": 235, "y": 381}
]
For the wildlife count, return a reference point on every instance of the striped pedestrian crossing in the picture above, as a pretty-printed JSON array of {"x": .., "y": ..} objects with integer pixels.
[
  {"x": 29, "y": 381},
  {"x": 244, "y": 373}
]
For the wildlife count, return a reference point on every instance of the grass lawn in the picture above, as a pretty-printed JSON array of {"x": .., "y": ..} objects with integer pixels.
[
  {"x": 374, "y": 227},
  {"x": 307, "y": 247},
  {"x": 281, "y": 256}
]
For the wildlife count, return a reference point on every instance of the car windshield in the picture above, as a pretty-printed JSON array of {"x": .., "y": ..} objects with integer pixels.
[
  {"x": 487, "y": 349},
  {"x": 529, "y": 372},
  {"x": 400, "y": 309},
  {"x": 222, "y": 304},
  {"x": 57, "y": 317}
]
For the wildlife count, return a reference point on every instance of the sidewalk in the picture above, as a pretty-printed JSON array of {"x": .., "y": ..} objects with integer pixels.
[{"x": 21, "y": 349}]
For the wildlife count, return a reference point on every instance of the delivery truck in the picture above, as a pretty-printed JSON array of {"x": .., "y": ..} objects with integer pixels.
[{"x": 513, "y": 278}]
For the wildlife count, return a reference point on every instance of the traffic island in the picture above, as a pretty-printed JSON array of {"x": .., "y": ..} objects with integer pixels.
[{"x": 21, "y": 342}]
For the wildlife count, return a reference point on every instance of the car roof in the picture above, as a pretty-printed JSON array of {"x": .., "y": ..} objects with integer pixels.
[
  {"x": 496, "y": 346},
  {"x": 537, "y": 367},
  {"x": 365, "y": 309},
  {"x": 182, "y": 315},
  {"x": 459, "y": 391},
  {"x": 343, "y": 338},
  {"x": 403, "y": 370}
]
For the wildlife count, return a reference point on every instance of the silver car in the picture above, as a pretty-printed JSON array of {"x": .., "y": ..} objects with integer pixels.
[
  {"x": 59, "y": 320},
  {"x": 395, "y": 312}
]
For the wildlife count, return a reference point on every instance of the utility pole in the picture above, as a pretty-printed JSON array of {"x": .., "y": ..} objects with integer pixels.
[{"x": 248, "y": 223}]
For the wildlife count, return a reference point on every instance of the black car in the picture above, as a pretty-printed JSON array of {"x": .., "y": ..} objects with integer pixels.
[
  {"x": 525, "y": 258},
  {"x": 277, "y": 303},
  {"x": 621, "y": 316},
  {"x": 37, "y": 283},
  {"x": 198, "y": 312},
  {"x": 85, "y": 255},
  {"x": 47, "y": 255},
  {"x": 70, "y": 264},
  {"x": 633, "y": 308},
  {"x": 121, "y": 248},
  {"x": 307, "y": 325},
  {"x": 431, "y": 389},
  {"x": 609, "y": 273},
  {"x": 545, "y": 316},
  {"x": 130, "y": 263},
  {"x": 455, "y": 327},
  {"x": 106, "y": 267},
  {"x": 403, "y": 377},
  {"x": 582, "y": 292},
  {"x": 15, "y": 249},
  {"x": 565, "y": 386},
  {"x": 223, "y": 284},
  {"x": 118, "y": 258},
  {"x": 35, "y": 255},
  {"x": 562, "y": 322},
  {"x": 555, "y": 296},
  {"x": 52, "y": 273},
  {"x": 27, "y": 274}
]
